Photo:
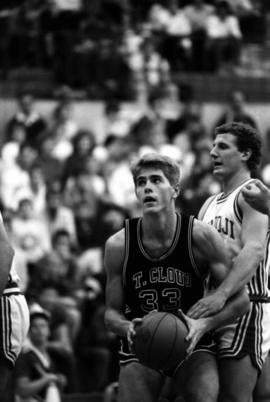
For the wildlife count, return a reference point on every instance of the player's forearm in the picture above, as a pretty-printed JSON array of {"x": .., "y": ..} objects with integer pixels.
[
  {"x": 31, "y": 387},
  {"x": 116, "y": 322},
  {"x": 235, "y": 307},
  {"x": 243, "y": 268}
]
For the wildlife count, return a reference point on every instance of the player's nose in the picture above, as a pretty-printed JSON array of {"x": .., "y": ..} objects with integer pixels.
[{"x": 213, "y": 152}]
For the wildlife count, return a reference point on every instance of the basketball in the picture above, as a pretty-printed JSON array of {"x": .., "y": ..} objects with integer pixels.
[{"x": 160, "y": 340}]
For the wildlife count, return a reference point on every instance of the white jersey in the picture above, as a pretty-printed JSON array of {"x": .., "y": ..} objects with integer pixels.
[{"x": 224, "y": 213}]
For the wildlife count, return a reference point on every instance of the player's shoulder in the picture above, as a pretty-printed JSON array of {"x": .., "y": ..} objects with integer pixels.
[
  {"x": 203, "y": 232},
  {"x": 115, "y": 252},
  {"x": 117, "y": 241}
]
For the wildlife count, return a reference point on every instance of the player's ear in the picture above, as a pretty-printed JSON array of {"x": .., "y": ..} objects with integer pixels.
[
  {"x": 176, "y": 190},
  {"x": 246, "y": 154}
]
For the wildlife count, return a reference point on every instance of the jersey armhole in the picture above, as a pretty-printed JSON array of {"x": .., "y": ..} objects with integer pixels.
[
  {"x": 190, "y": 249},
  {"x": 206, "y": 206},
  {"x": 127, "y": 243},
  {"x": 236, "y": 205}
]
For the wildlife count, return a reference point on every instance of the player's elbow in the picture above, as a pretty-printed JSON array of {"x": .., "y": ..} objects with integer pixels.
[
  {"x": 257, "y": 251},
  {"x": 108, "y": 319},
  {"x": 9, "y": 252},
  {"x": 244, "y": 303}
]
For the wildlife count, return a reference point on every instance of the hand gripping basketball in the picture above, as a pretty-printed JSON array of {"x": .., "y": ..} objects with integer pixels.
[{"x": 160, "y": 342}]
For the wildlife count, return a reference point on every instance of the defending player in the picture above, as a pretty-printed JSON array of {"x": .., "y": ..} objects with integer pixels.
[
  {"x": 159, "y": 262},
  {"x": 242, "y": 347},
  {"x": 257, "y": 195}
]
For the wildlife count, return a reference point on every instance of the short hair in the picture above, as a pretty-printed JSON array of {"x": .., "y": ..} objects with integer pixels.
[
  {"x": 247, "y": 138},
  {"x": 167, "y": 165},
  {"x": 58, "y": 234}
]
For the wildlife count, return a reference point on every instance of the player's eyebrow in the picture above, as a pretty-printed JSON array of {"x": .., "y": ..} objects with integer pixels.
[{"x": 151, "y": 177}]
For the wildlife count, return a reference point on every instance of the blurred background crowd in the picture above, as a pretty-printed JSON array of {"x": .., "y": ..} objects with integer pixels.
[
  {"x": 64, "y": 188},
  {"x": 106, "y": 46}
]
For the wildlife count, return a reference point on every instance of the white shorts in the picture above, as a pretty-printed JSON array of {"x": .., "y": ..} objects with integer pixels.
[
  {"x": 249, "y": 335},
  {"x": 14, "y": 325}
]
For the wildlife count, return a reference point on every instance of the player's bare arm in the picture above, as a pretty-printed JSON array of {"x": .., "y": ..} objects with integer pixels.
[
  {"x": 7, "y": 254},
  {"x": 113, "y": 261},
  {"x": 257, "y": 195},
  {"x": 211, "y": 252},
  {"x": 253, "y": 235},
  {"x": 214, "y": 255}
]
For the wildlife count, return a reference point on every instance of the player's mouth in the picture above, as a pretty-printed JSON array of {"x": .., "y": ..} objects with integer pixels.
[
  {"x": 149, "y": 199},
  {"x": 216, "y": 165}
]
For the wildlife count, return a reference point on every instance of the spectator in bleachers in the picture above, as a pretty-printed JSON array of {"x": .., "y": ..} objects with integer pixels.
[
  {"x": 60, "y": 343},
  {"x": 116, "y": 120},
  {"x": 116, "y": 172},
  {"x": 56, "y": 215},
  {"x": 62, "y": 130},
  {"x": 27, "y": 115},
  {"x": 29, "y": 233},
  {"x": 27, "y": 157},
  {"x": 52, "y": 167},
  {"x": 84, "y": 143},
  {"x": 16, "y": 134},
  {"x": 197, "y": 13},
  {"x": 87, "y": 182},
  {"x": 153, "y": 114},
  {"x": 236, "y": 111},
  {"x": 36, "y": 190},
  {"x": 158, "y": 17},
  {"x": 58, "y": 271},
  {"x": 148, "y": 65},
  {"x": 224, "y": 39},
  {"x": 29, "y": 30},
  {"x": 66, "y": 20},
  {"x": 14, "y": 174},
  {"x": 112, "y": 70},
  {"x": 177, "y": 45},
  {"x": 37, "y": 376},
  {"x": 95, "y": 342}
]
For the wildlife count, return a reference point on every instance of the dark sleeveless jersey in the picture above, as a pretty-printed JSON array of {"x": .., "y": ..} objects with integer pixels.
[{"x": 166, "y": 283}]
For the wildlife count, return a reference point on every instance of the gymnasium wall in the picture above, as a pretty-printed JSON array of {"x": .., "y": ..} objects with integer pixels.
[{"x": 90, "y": 114}]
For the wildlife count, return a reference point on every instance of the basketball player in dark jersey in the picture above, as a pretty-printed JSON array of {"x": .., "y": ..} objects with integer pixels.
[
  {"x": 159, "y": 262},
  {"x": 243, "y": 346}
]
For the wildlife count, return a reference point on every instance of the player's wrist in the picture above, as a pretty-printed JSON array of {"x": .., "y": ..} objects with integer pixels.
[{"x": 223, "y": 294}]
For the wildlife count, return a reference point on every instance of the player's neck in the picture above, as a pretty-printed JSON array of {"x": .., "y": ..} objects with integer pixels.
[
  {"x": 159, "y": 225},
  {"x": 235, "y": 181}
]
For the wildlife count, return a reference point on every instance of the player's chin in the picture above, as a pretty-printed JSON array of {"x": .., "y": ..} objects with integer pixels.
[
  {"x": 151, "y": 208},
  {"x": 218, "y": 172}
]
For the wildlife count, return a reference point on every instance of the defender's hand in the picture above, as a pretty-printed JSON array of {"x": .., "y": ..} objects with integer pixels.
[
  {"x": 131, "y": 333},
  {"x": 196, "y": 329},
  {"x": 207, "y": 306}
]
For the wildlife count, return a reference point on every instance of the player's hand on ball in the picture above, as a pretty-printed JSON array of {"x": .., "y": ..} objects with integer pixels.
[
  {"x": 131, "y": 333},
  {"x": 207, "y": 306},
  {"x": 196, "y": 329}
]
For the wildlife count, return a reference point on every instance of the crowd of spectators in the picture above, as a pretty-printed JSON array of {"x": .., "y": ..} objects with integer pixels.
[
  {"x": 63, "y": 192},
  {"x": 106, "y": 47}
]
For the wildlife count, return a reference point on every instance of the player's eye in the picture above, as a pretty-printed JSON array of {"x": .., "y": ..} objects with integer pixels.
[{"x": 140, "y": 183}]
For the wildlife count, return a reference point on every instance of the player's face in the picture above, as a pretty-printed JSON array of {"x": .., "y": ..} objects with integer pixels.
[
  {"x": 39, "y": 331},
  {"x": 226, "y": 158},
  {"x": 154, "y": 190}
]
